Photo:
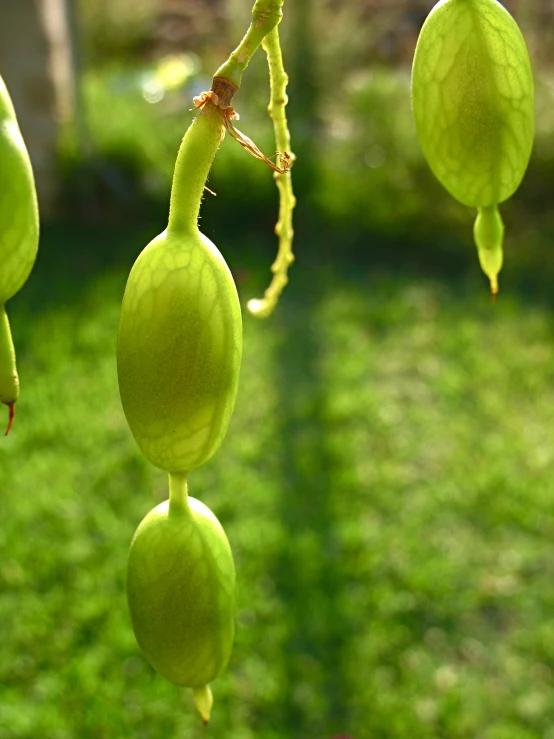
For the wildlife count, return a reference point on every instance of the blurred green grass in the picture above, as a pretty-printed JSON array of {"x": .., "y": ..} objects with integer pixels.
[{"x": 386, "y": 485}]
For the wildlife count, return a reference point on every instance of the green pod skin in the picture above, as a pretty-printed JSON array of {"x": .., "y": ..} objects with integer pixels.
[
  {"x": 19, "y": 233},
  {"x": 9, "y": 380},
  {"x": 180, "y": 333},
  {"x": 181, "y": 590},
  {"x": 473, "y": 103}
]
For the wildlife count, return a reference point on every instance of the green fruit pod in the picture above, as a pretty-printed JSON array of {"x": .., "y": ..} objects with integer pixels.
[
  {"x": 180, "y": 333},
  {"x": 179, "y": 350},
  {"x": 473, "y": 103},
  {"x": 19, "y": 234},
  {"x": 180, "y": 590}
]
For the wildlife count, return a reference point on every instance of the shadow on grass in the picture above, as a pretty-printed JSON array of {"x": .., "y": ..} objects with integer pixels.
[{"x": 308, "y": 572}]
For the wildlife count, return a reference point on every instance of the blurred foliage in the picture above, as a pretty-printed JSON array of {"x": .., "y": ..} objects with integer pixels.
[
  {"x": 116, "y": 28},
  {"x": 362, "y": 182}
]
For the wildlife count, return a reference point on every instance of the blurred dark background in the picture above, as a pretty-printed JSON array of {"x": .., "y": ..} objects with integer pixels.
[
  {"x": 387, "y": 481},
  {"x": 103, "y": 90}
]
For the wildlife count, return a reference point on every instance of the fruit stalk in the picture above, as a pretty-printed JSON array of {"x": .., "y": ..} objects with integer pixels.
[
  {"x": 284, "y": 230},
  {"x": 178, "y": 494},
  {"x": 266, "y": 14},
  {"x": 194, "y": 160}
]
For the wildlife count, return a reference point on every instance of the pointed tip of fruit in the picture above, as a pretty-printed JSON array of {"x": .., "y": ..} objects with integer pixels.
[
  {"x": 203, "y": 700},
  {"x": 494, "y": 287},
  {"x": 11, "y": 416}
]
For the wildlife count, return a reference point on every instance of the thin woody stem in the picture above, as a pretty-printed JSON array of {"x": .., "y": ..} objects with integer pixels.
[
  {"x": 278, "y": 101},
  {"x": 266, "y": 15}
]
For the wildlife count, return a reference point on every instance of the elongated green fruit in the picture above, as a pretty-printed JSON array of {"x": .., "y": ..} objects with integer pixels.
[
  {"x": 180, "y": 589},
  {"x": 180, "y": 333},
  {"x": 473, "y": 102},
  {"x": 19, "y": 231}
]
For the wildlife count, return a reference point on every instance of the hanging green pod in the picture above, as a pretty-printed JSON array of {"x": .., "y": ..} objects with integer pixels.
[
  {"x": 179, "y": 350},
  {"x": 181, "y": 592},
  {"x": 473, "y": 103},
  {"x": 19, "y": 233},
  {"x": 180, "y": 332}
]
